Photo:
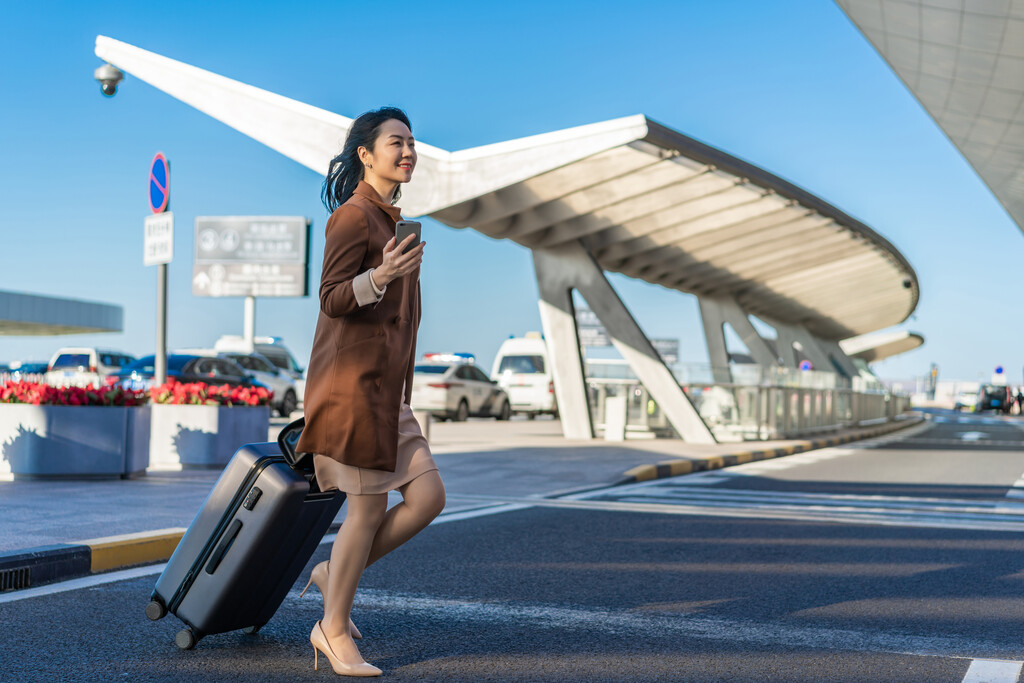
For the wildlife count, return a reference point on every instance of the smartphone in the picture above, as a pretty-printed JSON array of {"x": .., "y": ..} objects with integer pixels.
[{"x": 405, "y": 228}]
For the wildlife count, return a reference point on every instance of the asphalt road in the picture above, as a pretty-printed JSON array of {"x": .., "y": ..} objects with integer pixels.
[{"x": 891, "y": 561}]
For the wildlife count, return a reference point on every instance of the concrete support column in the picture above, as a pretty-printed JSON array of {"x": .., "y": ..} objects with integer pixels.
[
  {"x": 718, "y": 353},
  {"x": 570, "y": 266},
  {"x": 788, "y": 334},
  {"x": 833, "y": 349},
  {"x": 714, "y": 314},
  {"x": 558, "y": 318}
]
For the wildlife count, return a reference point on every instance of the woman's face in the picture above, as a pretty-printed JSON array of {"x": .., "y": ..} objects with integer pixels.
[{"x": 394, "y": 153}]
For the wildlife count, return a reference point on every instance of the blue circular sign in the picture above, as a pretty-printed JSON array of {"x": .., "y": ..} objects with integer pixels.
[
  {"x": 159, "y": 183},
  {"x": 806, "y": 365},
  {"x": 999, "y": 369}
]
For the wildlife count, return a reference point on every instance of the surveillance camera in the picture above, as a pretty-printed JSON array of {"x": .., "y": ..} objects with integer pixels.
[{"x": 108, "y": 76}]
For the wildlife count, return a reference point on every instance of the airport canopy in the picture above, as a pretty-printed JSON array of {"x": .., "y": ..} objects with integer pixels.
[
  {"x": 32, "y": 315},
  {"x": 881, "y": 345},
  {"x": 964, "y": 61},
  {"x": 645, "y": 200}
]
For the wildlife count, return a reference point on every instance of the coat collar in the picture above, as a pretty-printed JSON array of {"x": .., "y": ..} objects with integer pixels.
[{"x": 365, "y": 189}]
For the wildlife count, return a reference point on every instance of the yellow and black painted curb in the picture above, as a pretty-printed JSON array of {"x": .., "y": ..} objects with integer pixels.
[
  {"x": 36, "y": 566},
  {"x": 674, "y": 468}
]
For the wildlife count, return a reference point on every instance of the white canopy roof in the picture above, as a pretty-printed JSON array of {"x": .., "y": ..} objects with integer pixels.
[
  {"x": 881, "y": 345},
  {"x": 964, "y": 61},
  {"x": 645, "y": 200}
]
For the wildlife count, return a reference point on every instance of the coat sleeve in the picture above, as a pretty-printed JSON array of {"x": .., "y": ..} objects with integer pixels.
[{"x": 343, "y": 289}]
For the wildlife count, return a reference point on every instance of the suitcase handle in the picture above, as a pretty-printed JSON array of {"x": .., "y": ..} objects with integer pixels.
[
  {"x": 288, "y": 439},
  {"x": 225, "y": 545}
]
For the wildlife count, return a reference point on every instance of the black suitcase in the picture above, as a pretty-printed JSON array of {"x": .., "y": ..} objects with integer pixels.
[{"x": 248, "y": 544}]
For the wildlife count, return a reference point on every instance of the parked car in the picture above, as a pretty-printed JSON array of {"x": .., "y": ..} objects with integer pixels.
[
  {"x": 84, "y": 366},
  {"x": 271, "y": 348},
  {"x": 183, "y": 367},
  {"x": 522, "y": 369},
  {"x": 451, "y": 387},
  {"x": 965, "y": 401},
  {"x": 994, "y": 397},
  {"x": 286, "y": 398},
  {"x": 26, "y": 371}
]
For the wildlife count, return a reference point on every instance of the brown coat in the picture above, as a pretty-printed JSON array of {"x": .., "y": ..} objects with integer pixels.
[{"x": 362, "y": 354}]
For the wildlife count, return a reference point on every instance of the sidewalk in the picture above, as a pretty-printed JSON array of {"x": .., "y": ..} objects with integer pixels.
[{"x": 53, "y": 530}]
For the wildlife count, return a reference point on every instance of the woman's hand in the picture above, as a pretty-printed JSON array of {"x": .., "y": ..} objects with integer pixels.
[{"x": 396, "y": 264}]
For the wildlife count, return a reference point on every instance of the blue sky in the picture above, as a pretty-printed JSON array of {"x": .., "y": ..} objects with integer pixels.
[{"x": 791, "y": 86}]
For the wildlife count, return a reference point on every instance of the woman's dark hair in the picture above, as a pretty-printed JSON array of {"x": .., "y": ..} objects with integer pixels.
[{"x": 346, "y": 170}]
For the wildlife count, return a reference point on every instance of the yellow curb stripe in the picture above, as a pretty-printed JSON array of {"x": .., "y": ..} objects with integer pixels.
[
  {"x": 677, "y": 467},
  {"x": 715, "y": 462},
  {"x": 115, "y": 552},
  {"x": 643, "y": 472},
  {"x": 743, "y": 457}
]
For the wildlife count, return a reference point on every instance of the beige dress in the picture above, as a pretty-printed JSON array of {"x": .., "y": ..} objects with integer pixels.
[{"x": 414, "y": 459}]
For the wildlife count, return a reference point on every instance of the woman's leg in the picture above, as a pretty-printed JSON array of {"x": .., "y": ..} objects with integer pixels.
[
  {"x": 363, "y": 520},
  {"x": 423, "y": 500}
]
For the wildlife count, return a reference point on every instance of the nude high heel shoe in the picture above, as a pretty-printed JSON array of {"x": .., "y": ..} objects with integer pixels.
[
  {"x": 321, "y": 644},
  {"x": 319, "y": 577}
]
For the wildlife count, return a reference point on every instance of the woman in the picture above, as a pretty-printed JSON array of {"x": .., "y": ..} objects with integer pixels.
[{"x": 358, "y": 421}]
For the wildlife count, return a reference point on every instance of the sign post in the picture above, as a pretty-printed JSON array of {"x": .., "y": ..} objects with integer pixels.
[{"x": 159, "y": 250}]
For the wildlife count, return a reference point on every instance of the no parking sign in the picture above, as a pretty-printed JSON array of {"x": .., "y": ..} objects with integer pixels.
[{"x": 159, "y": 183}]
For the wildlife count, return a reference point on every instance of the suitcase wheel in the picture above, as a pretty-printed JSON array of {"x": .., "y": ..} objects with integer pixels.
[
  {"x": 186, "y": 639},
  {"x": 252, "y": 630},
  {"x": 156, "y": 610}
]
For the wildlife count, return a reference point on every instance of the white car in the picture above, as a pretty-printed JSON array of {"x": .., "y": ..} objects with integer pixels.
[
  {"x": 285, "y": 395},
  {"x": 451, "y": 387},
  {"x": 521, "y": 368},
  {"x": 965, "y": 401},
  {"x": 271, "y": 348},
  {"x": 84, "y": 366}
]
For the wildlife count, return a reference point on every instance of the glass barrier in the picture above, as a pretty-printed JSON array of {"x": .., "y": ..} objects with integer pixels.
[{"x": 748, "y": 402}]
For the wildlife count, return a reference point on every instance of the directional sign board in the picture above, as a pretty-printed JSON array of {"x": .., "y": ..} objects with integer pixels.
[
  {"x": 251, "y": 256},
  {"x": 158, "y": 246},
  {"x": 249, "y": 279}
]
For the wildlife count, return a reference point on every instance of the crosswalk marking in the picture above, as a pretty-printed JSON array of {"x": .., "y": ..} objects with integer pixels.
[
  {"x": 992, "y": 671},
  {"x": 999, "y": 515}
]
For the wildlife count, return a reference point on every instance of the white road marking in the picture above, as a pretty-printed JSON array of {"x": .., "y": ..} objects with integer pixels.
[
  {"x": 867, "y": 510},
  {"x": 480, "y": 512},
  {"x": 663, "y": 625},
  {"x": 993, "y": 671},
  {"x": 1017, "y": 490},
  {"x": 83, "y": 582},
  {"x": 973, "y": 436}
]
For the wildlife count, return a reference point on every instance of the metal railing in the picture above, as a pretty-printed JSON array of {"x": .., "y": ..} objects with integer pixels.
[{"x": 754, "y": 404}]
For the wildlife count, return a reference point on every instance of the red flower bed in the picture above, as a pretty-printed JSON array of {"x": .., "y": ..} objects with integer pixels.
[
  {"x": 199, "y": 394},
  {"x": 175, "y": 393},
  {"x": 38, "y": 394}
]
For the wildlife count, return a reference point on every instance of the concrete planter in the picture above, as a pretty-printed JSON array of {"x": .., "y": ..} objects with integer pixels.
[
  {"x": 185, "y": 436},
  {"x": 74, "y": 442}
]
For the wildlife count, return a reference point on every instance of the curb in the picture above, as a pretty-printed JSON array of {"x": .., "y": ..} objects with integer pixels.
[
  {"x": 47, "y": 564},
  {"x": 674, "y": 468},
  {"x": 37, "y": 566}
]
